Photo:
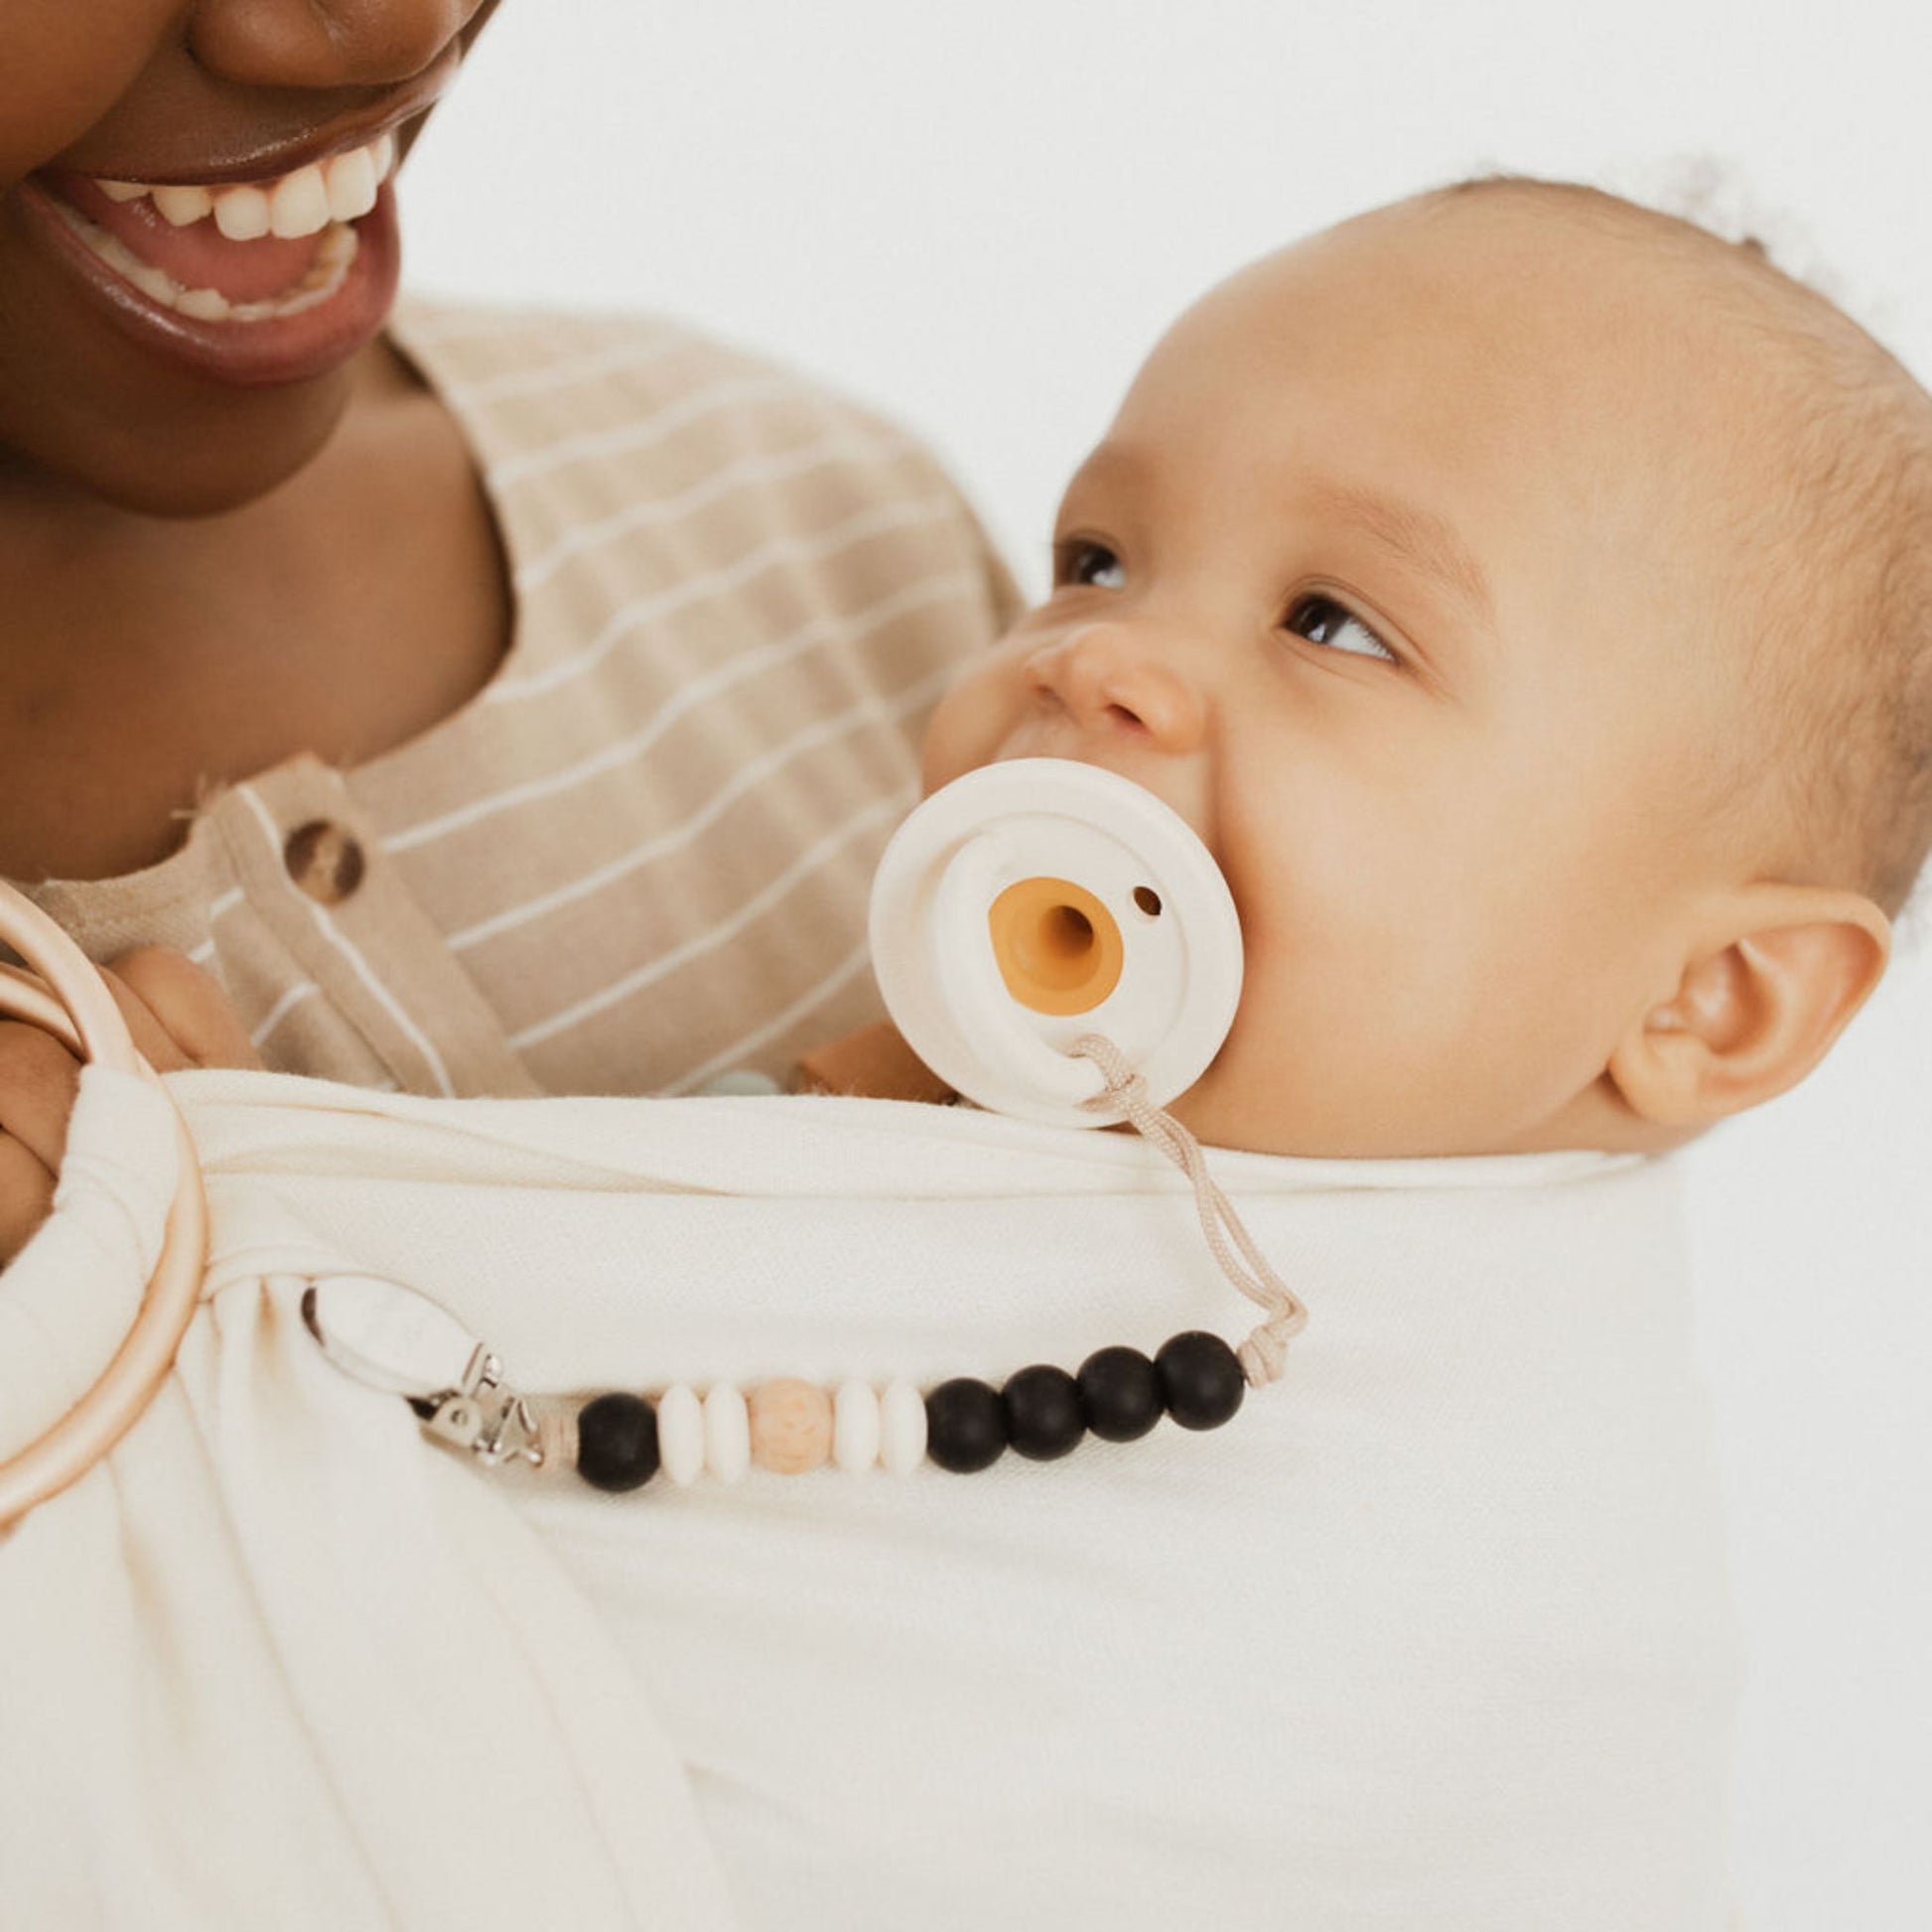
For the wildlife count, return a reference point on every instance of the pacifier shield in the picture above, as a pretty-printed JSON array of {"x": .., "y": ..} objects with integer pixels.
[{"x": 1037, "y": 900}]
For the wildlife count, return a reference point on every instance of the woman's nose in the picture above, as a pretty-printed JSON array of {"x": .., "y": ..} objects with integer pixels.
[
  {"x": 1116, "y": 676},
  {"x": 320, "y": 44}
]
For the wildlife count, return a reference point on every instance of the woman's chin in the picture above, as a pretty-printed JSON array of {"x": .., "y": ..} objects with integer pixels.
[{"x": 218, "y": 467}]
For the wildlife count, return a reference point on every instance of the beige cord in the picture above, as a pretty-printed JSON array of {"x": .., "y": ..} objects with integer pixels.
[{"x": 1265, "y": 1352}]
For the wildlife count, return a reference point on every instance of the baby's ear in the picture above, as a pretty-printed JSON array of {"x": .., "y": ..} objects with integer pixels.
[{"x": 1779, "y": 972}]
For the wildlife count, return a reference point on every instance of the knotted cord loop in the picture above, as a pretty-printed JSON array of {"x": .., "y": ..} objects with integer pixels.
[{"x": 1265, "y": 1352}]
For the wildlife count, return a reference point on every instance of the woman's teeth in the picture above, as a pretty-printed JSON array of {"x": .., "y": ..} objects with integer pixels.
[
  {"x": 340, "y": 189},
  {"x": 326, "y": 273},
  {"x": 326, "y": 195}
]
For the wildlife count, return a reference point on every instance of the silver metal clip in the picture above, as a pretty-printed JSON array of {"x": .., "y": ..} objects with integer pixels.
[
  {"x": 488, "y": 1416},
  {"x": 389, "y": 1337}
]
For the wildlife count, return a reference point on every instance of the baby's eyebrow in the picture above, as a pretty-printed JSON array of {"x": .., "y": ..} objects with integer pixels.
[{"x": 1419, "y": 538}]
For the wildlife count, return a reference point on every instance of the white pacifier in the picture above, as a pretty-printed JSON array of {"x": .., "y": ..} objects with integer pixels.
[{"x": 1031, "y": 902}]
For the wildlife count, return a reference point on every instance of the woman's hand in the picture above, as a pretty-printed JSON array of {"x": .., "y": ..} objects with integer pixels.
[{"x": 179, "y": 1016}]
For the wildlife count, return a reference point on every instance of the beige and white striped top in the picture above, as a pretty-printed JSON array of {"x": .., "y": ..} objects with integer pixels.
[{"x": 641, "y": 852}]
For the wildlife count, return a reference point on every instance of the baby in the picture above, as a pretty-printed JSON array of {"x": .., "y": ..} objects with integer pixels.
[
  {"x": 1522, "y": 594},
  {"x": 1514, "y": 590}
]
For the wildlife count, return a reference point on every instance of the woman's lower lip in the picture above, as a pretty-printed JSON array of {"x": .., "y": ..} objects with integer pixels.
[{"x": 247, "y": 354}]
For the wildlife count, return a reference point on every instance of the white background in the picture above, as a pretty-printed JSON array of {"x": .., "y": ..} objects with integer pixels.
[{"x": 980, "y": 216}]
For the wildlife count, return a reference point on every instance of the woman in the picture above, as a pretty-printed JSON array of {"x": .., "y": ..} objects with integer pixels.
[{"x": 493, "y": 703}]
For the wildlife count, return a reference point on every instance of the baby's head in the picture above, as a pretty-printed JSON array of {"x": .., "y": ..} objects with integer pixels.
[{"x": 1528, "y": 598}]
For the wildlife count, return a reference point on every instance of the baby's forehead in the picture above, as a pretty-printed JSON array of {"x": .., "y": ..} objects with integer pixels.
[
  {"x": 1545, "y": 293},
  {"x": 1619, "y": 361}
]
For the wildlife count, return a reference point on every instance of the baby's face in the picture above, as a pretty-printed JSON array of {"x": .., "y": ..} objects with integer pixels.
[{"x": 1392, "y": 578}]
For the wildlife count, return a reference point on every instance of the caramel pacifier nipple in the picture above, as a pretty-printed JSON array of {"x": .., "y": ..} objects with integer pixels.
[{"x": 1033, "y": 901}]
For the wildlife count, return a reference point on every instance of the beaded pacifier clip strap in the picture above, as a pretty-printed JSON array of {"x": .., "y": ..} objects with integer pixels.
[
  {"x": 390, "y": 1337},
  {"x": 1030, "y": 916}
]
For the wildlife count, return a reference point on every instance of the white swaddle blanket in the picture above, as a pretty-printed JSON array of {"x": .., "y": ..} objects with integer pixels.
[{"x": 1433, "y": 1635}]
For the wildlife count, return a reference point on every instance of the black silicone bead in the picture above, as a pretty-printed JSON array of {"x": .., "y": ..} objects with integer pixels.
[
  {"x": 1042, "y": 1413},
  {"x": 617, "y": 1442},
  {"x": 965, "y": 1426},
  {"x": 1200, "y": 1379},
  {"x": 1120, "y": 1394}
]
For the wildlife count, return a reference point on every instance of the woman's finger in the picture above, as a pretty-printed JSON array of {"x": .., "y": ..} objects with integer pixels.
[
  {"x": 26, "y": 1194},
  {"x": 39, "y": 1079}
]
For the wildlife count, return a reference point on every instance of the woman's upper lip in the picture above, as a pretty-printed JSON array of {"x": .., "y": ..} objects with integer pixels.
[{"x": 256, "y": 157}]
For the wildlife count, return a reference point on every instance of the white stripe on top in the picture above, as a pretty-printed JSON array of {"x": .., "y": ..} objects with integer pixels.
[
  {"x": 629, "y": 438},
  {"x": 697, "y": 587},
  {"x": 548, "y": 377},
  {"x": 854, "y": 963},
  {"x": 747, "y": 664},
  {"x": 753, "y": 908},
  {"x": 839, "y": 447},
  {"x": 870, "y": 710}
]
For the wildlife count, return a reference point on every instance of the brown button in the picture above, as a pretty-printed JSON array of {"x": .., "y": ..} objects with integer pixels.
[{"x": 324, "y": 860}]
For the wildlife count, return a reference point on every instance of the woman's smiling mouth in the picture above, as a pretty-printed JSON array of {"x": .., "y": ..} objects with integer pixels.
[
  {"x": 269, "y": 258},
  {"x": 247, "y": 282},
  {"x": 242, "y": 252}
]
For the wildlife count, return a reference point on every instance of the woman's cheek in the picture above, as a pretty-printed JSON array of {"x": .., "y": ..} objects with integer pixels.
[{"x": 64, "y": 69}]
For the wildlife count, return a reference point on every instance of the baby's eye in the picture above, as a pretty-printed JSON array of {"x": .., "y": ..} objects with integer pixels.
[
  {"x": 1321, "y": 620},
  {"x": 1084, "y": 562}
]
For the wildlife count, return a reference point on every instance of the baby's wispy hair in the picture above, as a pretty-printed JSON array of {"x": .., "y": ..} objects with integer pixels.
[{"x": 1834, "y": 565}]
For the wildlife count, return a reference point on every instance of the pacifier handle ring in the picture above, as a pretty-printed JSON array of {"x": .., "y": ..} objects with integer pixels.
[{"x": 75, "y": 1006}]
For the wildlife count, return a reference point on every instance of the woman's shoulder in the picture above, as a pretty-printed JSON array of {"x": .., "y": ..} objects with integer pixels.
[
  {"x": 537, "y": 371},
  {"x": 643, "y": 428},
  {"x": 513, "y": 348}
]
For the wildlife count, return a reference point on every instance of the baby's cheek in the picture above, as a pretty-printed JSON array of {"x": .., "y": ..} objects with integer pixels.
[{"x": 967, "y": 725}]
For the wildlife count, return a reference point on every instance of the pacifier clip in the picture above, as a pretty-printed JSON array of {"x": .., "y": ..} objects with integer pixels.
[
  {"x": 391, "y": 1337},
  {"x": 1030, "y": 914}
]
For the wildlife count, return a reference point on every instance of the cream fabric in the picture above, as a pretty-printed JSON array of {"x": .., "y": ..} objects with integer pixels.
[
  {"x": 644, "y": 850},
  {"x": 1433, "y": 1635}
]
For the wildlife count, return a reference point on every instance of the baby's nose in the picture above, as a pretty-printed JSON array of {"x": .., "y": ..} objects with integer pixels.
[{"x": 1119, "y": 676}]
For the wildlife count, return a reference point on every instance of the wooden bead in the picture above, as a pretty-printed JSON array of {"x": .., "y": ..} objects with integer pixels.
[
  {"x": 901, "y": 1428},
  {"x": 854, "y": 1427},
  {"x": 680, "y": 1434},
  {"x": 727, "y": 1434},
  {"x": 792, "y": 1427}
]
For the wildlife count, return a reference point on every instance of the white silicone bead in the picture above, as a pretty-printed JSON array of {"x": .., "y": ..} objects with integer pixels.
[
  {"x": 727, "y": 1434},
  {"x": 854, "y": 1427},
  {"x": 680, "y": 1434},
  {"x": 901, "y": 1418}
]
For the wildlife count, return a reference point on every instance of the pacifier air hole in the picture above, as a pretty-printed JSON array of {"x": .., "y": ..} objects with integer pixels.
[
  {"x": 1148, "y": 899},
  {"x": 1057, "y": 948}
]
